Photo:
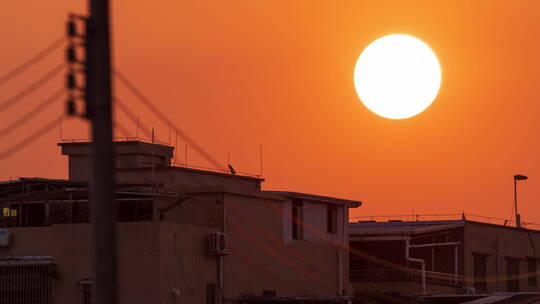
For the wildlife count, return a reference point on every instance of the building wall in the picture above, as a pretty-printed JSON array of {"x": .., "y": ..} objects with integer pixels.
[
  {"x": 499, "y": 243},
  {"x": 407, "y": 288},
  {"x": 175, "y": 177},
  {"x": 262, "y": 259},
  {"x": 69, "y": 246}
]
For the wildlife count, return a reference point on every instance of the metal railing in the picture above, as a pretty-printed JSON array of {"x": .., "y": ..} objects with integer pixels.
[{"x": 432, "y": 277}]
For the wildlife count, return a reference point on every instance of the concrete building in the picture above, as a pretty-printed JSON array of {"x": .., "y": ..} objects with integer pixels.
[
  {"x": 442, "y": 257},
  {"x": 184, "y": 235}
]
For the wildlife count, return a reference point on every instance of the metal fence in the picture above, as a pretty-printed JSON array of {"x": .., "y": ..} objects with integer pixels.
[{"x": 26, "y": 280}]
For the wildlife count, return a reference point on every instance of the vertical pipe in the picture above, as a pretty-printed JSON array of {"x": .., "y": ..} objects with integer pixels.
[
  {"x": 456, "y": 263},
  {"x": 496, "y": 264},
  {"x": 220, "y": 275},
  {"x": 340, "y": 272},
  {"x": 99, "y": 93}
]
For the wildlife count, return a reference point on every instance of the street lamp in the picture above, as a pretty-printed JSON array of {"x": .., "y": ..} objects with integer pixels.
[{"x": 517, "y": 178}]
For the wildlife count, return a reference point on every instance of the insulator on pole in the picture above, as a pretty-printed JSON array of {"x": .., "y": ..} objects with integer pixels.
[
  {"x": 71, "y": 54},
  {"x": 70, "y": 107},
  {"x": 71, "y": 82},
  {"x": 71, "y": 29}
]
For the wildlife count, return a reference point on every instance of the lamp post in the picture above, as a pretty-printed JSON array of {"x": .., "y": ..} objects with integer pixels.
[{"x": 517, "y": 178}]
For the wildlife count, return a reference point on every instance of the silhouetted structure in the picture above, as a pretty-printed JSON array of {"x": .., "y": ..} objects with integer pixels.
[
  {"x": 442, "y": 257},
  {"x": 185, "y": 235}
]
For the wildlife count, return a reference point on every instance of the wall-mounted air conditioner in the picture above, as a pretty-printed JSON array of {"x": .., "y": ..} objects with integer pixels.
[{"x": 217, "y": 243}]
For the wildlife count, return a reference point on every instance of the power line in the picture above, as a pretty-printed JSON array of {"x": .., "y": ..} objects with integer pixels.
[
  {"x": 32, "y": 113},
  {"x": 30, "y": 62},
  {"x": 36, "y": 85},
  {"x": 125, "y": 109},
  {"x": 30, "y": 139},
  {"x": 165, "y": 119},
  {"x": 121, "y": 128}
]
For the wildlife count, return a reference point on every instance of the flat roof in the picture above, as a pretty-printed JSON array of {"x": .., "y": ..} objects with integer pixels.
[
  {"x": 320, "y": 198},
  {"x": 417, "y": 227}
]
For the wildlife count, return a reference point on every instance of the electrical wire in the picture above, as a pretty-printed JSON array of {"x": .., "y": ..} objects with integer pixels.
[
  {"x": 125, "y": 109},
  {"x": 30, "y": 139},
  {"x": 44, "y": 104},
  {"x": 123, "y": 130},
  {"x": 130, "y": 86},
  {"x": 36, "y": 85},
  {"x": 35, "y": 59}
]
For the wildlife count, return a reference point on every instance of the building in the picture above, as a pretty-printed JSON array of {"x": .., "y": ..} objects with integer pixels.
[
  {"x": 184, "y": 235},
  {"x": 442, "y": 257}
]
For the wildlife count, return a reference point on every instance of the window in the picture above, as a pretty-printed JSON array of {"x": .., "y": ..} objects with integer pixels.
[
  {"x": 512, "y": 275},
  {"x": 331, "y": 219},
  {"x": 297, "y": 219},
  {"x": 85, "y": 291},
  {"x": 58, "y": 213},
  {"x": 480, "y": 271},
  {"x": 531, "y": 269},
  {"x": 134, "y": 211},
  {"x": 269, "y": 293},
  {"x": 211, "y": 293}
]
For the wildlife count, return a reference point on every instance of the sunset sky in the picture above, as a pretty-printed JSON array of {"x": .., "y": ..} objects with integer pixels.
[{"x": 233, "y": 74}]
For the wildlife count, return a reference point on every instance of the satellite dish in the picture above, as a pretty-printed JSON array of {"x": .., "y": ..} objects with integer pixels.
[{"x": 233, "y": 172}]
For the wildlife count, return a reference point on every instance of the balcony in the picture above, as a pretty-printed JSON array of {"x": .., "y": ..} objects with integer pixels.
[{"x": 415, "y": 275}]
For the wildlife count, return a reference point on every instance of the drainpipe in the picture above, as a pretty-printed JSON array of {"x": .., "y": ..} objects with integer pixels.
[
  {"x": 408, "y": 246},
  {"x": 422, "y": 263},
  {"x": 220, "y": 275},
  {"x": 340, "y": 272}
]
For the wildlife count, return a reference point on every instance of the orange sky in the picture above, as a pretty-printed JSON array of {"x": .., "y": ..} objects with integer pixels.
[{"x": 236, "y": 73}]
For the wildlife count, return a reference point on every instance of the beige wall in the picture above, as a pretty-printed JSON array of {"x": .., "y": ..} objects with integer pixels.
[
  {"x": 498, "y": 243},
  {"x": 69, "y": 246},
  {"x": 261, "y": 259}
]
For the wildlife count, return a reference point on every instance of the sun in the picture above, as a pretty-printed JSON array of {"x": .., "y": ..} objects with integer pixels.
[{"x": 397, "y": 76}]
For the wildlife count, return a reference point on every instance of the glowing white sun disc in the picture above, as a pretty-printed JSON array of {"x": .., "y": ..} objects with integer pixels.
[{"x": 397, "y": 76}]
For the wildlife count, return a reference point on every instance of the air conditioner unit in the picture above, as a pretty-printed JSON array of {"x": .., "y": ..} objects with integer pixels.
[
  {"x": 217, "y": 243},
  {"x": 4, "y": 237}
]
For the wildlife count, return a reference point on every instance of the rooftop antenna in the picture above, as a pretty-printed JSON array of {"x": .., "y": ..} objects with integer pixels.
[
  {"x": 261, "y": 159},
  {"x": 137, "y": 131},
  {"x": 185, "y": 156},
  {"x": 169, "y": 132},
  {"x": 153, "y": 161},
  {"x": 60, "y": 122},
  {"x": 176, "y": 146}
]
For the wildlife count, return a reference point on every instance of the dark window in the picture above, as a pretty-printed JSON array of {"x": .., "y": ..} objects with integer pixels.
[
  {"x": 211, "y": 293},
  {"x": 297, "y": 219},
  {"x": 331, "y": 219},
  {"x": 480, "y": 272},
  {"x": 58, "y": 213},
  {"x": 512, "y": 275},
  {"x": 79, "y": 212},
  {"x": 85, "y": 291},
  {"x": 34, "y": 214},
  {"x": 531, "y": 269},
  {"x": 134, "y": 211},
  {"x": 269, "y": 293}
]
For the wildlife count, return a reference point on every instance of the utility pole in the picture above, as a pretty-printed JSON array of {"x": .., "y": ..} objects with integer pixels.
[{"x": 99, "y": 108}]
